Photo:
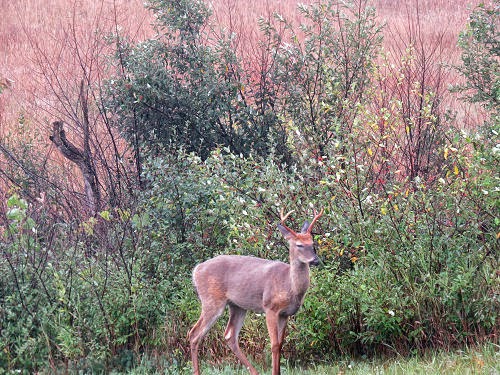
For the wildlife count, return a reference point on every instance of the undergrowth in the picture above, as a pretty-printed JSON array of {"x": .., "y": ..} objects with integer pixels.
[{"x": 482, "y": 360}]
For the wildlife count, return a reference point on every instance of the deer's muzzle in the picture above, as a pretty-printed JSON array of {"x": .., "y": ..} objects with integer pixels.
[{"x": 315, "y": 261}]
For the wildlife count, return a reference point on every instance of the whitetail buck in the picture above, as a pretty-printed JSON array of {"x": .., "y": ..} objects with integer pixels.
[{"x": 249, "y": 283}]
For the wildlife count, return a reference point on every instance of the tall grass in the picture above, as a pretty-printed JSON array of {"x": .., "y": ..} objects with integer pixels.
[
  {"x": 484, "y": 360},
  {"x": 38, "y": 41},
  {"x": 31, "y": 27},
  {"x": 33, "y": 32}
]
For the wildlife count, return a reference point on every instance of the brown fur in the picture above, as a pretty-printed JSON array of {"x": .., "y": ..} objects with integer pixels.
[{"x": 249, "y": 283}]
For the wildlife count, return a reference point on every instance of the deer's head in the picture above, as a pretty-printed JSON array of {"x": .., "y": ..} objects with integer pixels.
[{"x": 301, "y": 244}]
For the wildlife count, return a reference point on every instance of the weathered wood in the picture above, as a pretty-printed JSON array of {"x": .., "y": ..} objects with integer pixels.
[{"x": 83, "y": 159}]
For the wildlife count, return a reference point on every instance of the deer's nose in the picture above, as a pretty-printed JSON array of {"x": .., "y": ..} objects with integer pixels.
[{"x": 315, "y": 261}]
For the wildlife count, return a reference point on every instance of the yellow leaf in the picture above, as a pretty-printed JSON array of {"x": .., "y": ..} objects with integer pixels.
[
  {"x": 105, "y": 215},
  {"x": 455, "y": 170},
  {"x": 446, "y": 153},
  {"x": 370, "y": 152},
  {"x": 383, "y": 210}
]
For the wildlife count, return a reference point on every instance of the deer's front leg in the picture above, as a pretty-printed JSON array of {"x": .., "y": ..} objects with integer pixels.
[{"x": 276, "y": 327}]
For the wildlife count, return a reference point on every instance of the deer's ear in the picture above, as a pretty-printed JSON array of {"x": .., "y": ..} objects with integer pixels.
[
  {"x": 285, "y": 232},
  {"x": 305, "y": 227}
]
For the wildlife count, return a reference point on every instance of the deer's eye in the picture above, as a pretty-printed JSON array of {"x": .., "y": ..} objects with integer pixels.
[{"x": 300, "y": 246}]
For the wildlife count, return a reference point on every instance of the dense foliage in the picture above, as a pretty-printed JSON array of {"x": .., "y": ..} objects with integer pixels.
[
  {"x": 184, "y": 89},
  {"x": 410, "y": 255}
]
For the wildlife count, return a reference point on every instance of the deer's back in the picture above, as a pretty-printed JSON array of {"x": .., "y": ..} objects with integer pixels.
[{"x": 241, "y": 280}]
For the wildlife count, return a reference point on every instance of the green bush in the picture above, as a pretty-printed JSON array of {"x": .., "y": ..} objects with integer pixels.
[{"x": 426, "y": 278}]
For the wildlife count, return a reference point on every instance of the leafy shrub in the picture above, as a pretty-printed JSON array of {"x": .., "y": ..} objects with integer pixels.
[{"x": 184, "y": 89}]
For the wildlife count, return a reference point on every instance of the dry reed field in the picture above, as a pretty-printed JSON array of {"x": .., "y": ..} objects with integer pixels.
[
  {"x": 32, "y": 31},
  {"x": 47, "y": 48}
]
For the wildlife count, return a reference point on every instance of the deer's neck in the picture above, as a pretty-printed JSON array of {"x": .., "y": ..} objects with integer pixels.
[{"x": 299, "y": 278}]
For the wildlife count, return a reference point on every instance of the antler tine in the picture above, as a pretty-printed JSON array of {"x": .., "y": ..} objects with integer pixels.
[
  {"x": 283, "y": 218},
  {"x": 316, "y": 217}
]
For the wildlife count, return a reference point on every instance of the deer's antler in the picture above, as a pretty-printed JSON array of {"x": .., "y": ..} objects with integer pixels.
[
  {"x": 316, "y": 217},
  {"x": 283, "y": 217}
]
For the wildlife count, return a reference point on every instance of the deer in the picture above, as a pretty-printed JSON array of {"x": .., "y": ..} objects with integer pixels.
[{"x": 244, "y": 283}]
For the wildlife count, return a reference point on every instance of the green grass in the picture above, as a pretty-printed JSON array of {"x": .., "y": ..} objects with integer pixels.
[{"x": 485, "y": 360}]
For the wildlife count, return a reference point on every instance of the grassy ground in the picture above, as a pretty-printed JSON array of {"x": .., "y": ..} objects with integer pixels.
[{"x": 485, "y": 360}]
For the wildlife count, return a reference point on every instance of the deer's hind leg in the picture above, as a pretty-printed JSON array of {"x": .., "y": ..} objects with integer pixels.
[
  {"x": 236, "y": 318},
  {"x": 209, "y": 315}
]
